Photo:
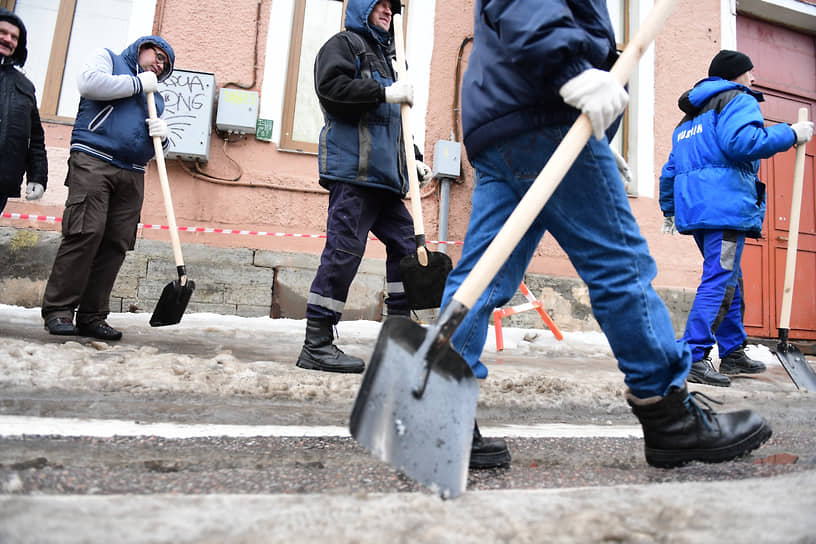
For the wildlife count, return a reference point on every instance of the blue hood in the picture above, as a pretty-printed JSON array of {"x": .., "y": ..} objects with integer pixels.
[
  {"x": 692, "y": 101},
  {"x": 357, "y": 12},
  {"x": 131, "y": 54}
]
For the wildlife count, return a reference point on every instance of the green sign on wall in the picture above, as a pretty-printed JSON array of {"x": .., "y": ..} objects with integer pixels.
[{"x": 263, "y": 129}]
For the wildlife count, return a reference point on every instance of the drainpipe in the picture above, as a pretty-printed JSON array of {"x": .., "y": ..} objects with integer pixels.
[{"x": 444, "y": 200}]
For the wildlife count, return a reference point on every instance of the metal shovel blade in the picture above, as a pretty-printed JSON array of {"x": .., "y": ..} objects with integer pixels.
[
  {"x": 427, "y": 438},
  {"x": 172, "y": 303},
  {"x": 797, "y": 367}
]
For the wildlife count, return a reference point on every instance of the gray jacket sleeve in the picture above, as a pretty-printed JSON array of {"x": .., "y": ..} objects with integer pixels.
[{"x": 97, "y": 82}]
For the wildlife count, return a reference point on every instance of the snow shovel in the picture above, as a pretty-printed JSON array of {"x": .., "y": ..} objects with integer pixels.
[
  {"x": 423, "y": 273},
  {"x": 792, "y": 359},
  {"x": 417, "y": 403},
  {"x": 176, "y": 294}
]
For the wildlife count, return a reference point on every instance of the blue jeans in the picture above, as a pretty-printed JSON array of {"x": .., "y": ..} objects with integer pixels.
[
  {"x": 716, "y": 315},
  {"x": 589, "y": 216}
]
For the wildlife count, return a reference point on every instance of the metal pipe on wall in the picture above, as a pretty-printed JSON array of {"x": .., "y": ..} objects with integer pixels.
[{"x": 444, "y": 201}]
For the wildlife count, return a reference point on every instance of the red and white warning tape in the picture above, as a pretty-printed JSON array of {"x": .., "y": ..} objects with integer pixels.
[{"x": 52, "y": 219}]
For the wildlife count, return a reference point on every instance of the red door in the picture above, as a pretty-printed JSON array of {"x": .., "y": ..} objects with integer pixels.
[{"x": 785, "y": 68}]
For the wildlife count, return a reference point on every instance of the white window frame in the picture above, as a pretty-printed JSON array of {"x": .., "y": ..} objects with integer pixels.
[
  {"x": 640, "y": 137},
  {"x": 273, "y": 89},
  {"x": 61, "y": 69}
]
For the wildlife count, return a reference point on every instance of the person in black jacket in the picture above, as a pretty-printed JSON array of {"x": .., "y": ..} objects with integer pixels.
[
  {"x": 22, "y": 141},
  {"x": 363, "y": 165}
]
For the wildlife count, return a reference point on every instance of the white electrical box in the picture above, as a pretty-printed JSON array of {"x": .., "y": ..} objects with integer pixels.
[
  {"x": 447, "y": 159},
  {"x": 189, "y": 98},
  {"x": 237, "y": 111}
]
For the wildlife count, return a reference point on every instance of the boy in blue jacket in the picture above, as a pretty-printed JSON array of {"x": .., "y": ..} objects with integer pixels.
[{"x": 709, "y": 189}]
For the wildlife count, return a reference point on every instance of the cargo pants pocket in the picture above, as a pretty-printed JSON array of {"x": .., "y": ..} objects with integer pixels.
[{"x": 73, "y": 219}]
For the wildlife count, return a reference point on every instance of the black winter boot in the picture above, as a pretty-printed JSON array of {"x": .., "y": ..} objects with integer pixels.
[
  {"x": 738, "y": 362},
  {"x": 319, "y": 353},
  {"x": 702, "y": 371},
  {"x": 677, "y": 429},
  {"x": 398, "y": 312},
  {"x": 488, "y": 452}
]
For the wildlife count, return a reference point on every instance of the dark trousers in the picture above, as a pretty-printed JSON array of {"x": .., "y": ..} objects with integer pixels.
[
  {"x": 98, "y": 226},
  {"x": 3, "y": 200},
  {"x": 353, "y": 212}
]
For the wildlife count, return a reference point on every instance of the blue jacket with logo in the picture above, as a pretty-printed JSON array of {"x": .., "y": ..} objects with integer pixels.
[
  {"x": 115, "y": 130},
  {"x": 361, "y": 140},
  {"x": 710, "y": 181},
  {"x": 523, "y": 52}
]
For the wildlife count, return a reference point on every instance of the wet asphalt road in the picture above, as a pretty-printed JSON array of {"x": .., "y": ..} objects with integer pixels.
[
  {"x": 149, "y": 465},
  {"x": 146, "y": 465}
]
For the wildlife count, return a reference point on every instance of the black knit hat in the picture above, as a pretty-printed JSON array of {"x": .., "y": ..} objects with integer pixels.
[{"x": 729, "y": 64}]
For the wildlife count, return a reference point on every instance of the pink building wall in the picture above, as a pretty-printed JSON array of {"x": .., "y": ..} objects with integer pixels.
[{"x": 208, "y": 37}]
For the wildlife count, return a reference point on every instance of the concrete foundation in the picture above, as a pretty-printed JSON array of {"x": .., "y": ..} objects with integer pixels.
[{"x": 253, "y": 282}]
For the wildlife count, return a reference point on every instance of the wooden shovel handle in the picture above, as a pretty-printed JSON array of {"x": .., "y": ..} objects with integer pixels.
[
  {"x": 165, "y": 186},
  {"x": 556, "y": 168},
  {"x": 793, "y": 229},
  {"x": 408, "y": 144}
]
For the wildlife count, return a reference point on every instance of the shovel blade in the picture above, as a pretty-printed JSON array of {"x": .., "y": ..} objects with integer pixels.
[
  {"x": 797, "y": 367},
  {"x": 424, "y": 285},
  {"x": 427, "y": 438},
  {"x": 172, "y": 303}
]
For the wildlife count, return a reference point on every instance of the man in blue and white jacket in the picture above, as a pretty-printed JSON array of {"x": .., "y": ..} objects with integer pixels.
[
  {"x": 111, "y": 143},
  {"x": 709, "y": 189}
]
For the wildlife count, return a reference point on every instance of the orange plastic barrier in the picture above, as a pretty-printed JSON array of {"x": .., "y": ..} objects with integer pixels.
[{"x": 532, "y": 304}]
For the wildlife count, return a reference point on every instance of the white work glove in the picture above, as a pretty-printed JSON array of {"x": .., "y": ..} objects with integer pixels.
[
  {"x": 804, "y": 131},
  {"x": 423, "y": 173},
  {"x": 400, "y": 92},
  {"x": 34, "y": 191},
  {"x": 149, "y": 82},
  {"x": 623, "y": 168},
  {"x": 668, "y": 226},
  {"x": 599, "y": 95},
  {"x": 156, "y": 127}
]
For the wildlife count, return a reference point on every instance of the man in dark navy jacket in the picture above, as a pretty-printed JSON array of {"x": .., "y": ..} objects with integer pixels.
[{"x": 535, "y": 67}]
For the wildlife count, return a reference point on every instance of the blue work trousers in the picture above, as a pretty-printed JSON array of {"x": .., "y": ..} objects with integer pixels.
[
  {"x": 716, "y": 315},
  {"x": 589, "y": 216},
  {"x": 355, "y": 210}
]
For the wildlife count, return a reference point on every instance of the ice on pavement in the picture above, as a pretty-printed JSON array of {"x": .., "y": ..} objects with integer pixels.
[{"x": 534, "y": 370}]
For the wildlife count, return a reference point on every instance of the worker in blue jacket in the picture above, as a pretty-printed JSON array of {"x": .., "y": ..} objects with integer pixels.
[
  {"x": 709, "y": 189},
  {"x": 535, "y": 67}
]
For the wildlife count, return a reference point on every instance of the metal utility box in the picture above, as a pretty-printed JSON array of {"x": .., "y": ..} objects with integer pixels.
[
  {"x": 189, "y": 98},
  {"x": 447, "y": 159},
  {"x": 237, "y": 111}
]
